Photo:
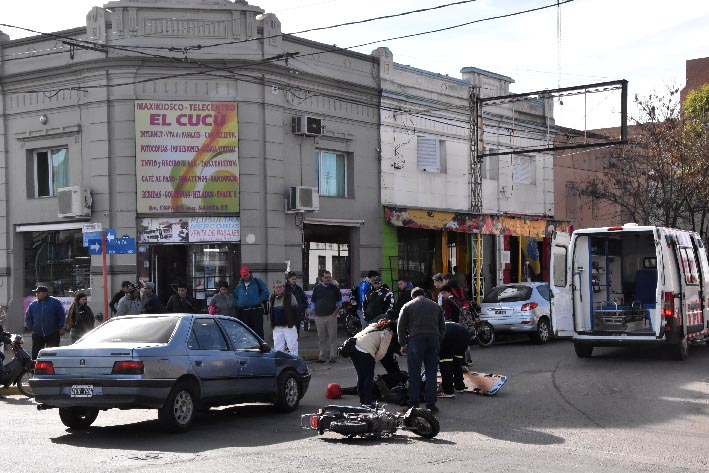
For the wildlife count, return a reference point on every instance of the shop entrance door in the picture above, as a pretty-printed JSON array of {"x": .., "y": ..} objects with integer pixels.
[
  {"x": 168, "y": 267},
  {"x": 327, "y": 247}
]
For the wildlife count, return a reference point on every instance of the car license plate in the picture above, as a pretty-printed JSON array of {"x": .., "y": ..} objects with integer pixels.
[
  {"x": 500, "y": 312},
  {"x": 82, "y": 390}
]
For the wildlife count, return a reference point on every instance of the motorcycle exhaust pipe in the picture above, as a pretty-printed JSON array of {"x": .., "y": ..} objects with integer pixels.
[{"x": 44, "y": 407}]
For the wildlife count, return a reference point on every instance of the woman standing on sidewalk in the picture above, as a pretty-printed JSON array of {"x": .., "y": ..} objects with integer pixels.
[{"x": 80, "y": 318}]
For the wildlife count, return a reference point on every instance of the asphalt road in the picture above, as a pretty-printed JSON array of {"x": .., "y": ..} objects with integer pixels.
[{"x": 622, "y": 410}]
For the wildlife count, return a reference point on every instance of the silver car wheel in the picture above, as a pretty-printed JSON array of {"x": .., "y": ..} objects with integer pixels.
[
  {"x": 183, "y": 407},
  {"x": 544, "y": 332},
  {"x": 291, "y": 391}
]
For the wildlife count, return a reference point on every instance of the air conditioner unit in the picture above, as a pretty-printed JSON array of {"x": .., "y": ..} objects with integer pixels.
[
  {"x": 305, "y": 125},
  {"x": 301, "y": 199},
  {"x": 74, "y": 202}
]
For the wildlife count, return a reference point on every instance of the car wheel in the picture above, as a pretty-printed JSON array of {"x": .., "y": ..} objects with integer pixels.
[
  {"x": 288, "y": 395},
  {"x": 78, "y": 417},
  {"x": 543, "y": 333},
  {"x": 583, "y": 350},
  {"x": 178, "y": 413}
]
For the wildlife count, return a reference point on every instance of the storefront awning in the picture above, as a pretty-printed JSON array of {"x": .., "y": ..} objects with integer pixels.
[
  {"x": 340, "y": 222},
  {"x": 50, "y": 227}
]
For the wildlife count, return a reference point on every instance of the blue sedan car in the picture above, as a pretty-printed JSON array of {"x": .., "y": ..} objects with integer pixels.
[{"x": 175, "y": 363}]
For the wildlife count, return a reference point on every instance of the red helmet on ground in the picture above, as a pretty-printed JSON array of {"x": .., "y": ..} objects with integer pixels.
[{"x": 334, "y": 391}]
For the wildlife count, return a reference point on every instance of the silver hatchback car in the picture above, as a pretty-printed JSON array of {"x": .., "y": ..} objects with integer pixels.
[
  {"x": 175, "y": 363},
  {"x": 519, "y": 307}
]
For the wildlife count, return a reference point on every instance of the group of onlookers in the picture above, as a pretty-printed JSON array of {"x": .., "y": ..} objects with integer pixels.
[{"x": 416, "y": 326}]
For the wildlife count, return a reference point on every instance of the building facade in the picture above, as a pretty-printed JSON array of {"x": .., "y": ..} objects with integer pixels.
[
  {"x": 427, "y": 173},
  {"x": 183, "y": 125}
]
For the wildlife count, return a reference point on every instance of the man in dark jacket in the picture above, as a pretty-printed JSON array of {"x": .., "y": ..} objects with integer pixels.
[
  {"x": 150, "y": 301},
  {"x": 300, "y": 297},
  {"x": 46, "y": 318},
  {"x": 326, "y": 300},
  {"x": 420, "y": 331},
  {"x": 389, "y": 362},
  {"x": 182, "y": 302},
  {"x": 379, "y": 301},
  {"x": 118, "y": 296}
]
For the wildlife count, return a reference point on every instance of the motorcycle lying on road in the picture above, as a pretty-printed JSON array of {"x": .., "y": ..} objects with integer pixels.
[
  {"x": 374, "y": 422},
  {"x": 481, "y": 331},
  {"x": 20, "y": 369}
]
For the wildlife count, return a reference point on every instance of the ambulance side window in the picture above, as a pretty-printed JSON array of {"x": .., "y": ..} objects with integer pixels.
[
  {"x": 689, "y": 266},
  {"x": 559, "y": 265}
]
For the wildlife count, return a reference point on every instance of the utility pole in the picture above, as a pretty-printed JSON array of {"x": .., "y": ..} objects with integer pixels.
[{"x": 476, "y": 180}]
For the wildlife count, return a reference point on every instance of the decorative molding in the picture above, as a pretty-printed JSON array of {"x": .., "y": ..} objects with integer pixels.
[
  {"x": 44, "y": 133},
  {"x": 236, "y": 24},
  {"x": 184, "y": 28},
  {"x": 5, "y": 271}
]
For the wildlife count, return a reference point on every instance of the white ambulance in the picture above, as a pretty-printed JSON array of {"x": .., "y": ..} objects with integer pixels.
[{"x": 630, "y": 285}]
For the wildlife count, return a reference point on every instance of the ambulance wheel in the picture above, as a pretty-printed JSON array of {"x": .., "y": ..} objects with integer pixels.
[
  {"x": 583, "y": 350},
  {"x": 681, "y": 350}
]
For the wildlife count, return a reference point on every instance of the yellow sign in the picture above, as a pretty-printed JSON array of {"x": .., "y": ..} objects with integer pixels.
[{"x": 187, "y": 157}]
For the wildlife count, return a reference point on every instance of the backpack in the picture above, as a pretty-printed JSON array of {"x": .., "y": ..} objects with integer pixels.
[{"x": 348, "y": 347}]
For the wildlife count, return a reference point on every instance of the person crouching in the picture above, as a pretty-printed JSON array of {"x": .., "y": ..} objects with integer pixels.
[
  {"x": 372, "y": 345},
  {"x": 283, "y": 319}
]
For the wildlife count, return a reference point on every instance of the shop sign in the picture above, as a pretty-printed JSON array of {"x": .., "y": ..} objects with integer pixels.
[
  {"x": 187, "y": 157},
  {"x": 472, "y": 223},
  {"x": 163, "y": 230},
  {"x": 189, "y": 230},
  {"x": 214, "y": 229}
]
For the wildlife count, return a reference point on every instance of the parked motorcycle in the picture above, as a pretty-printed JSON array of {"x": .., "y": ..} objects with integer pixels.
[
  {"x": 374, "y": 422},
  {"x": 481, "y": 332},
  {"x": 20, "y": 369},
  {"x": 348, "y": 314}
]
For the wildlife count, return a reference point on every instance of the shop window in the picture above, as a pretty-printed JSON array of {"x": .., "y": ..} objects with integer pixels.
[
  {"x": 50, "y": 171},
  {"x": 331, "y": 174},
  {"x": 57, "y": 260}
]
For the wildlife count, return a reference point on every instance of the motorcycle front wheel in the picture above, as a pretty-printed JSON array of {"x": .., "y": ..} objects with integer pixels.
[
  {"x": 23, "y": 383},
  {"x": 423, "y": 423}
]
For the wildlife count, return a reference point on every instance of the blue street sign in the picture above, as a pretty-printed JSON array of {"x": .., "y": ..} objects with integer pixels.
[
  {"x": 91, "y": 236},
  {"x": 95, "y": 247},
  {"x": 114, "y": 246}
]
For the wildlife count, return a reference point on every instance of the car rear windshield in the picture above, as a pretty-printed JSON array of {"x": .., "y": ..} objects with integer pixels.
[
  {"x": 508, "y": 294},
  {"x": 134, "y": 330}
]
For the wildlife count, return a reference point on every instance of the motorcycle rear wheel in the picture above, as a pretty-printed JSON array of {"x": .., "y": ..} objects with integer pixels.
[
  {"x": 23, "y": 384},
  {"x": 423, "y": 423},
  {"x": 349, "y": 427},
  {"x": 486, "y": 335}
]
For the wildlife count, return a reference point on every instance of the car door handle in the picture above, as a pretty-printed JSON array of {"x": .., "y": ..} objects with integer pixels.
[{"x": 198, "y": 362}]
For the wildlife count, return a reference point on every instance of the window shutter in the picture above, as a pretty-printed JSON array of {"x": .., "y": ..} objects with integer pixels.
[
  {"x": 521, "y": 173},
  {"x": 427, "y": 154}
]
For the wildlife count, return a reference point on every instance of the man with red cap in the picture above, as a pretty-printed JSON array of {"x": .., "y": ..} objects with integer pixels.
[{"x": 249, "y": 296}]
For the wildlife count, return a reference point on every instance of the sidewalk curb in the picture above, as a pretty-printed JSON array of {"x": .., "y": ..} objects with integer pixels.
[{"x": 12, "y": 390}]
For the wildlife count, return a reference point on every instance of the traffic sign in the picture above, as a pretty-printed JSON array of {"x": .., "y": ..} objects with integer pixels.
[
  {"x": 91, "y": 236},
  {"x": 95, "y": 247},
  {"x": 91, "y": 228}
]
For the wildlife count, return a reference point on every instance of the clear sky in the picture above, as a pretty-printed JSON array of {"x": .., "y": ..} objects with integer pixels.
[{"x": 644, "y": 41}]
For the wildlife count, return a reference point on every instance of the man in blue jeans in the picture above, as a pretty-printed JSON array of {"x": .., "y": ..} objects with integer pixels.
[{"x": 420, "y": 329}]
